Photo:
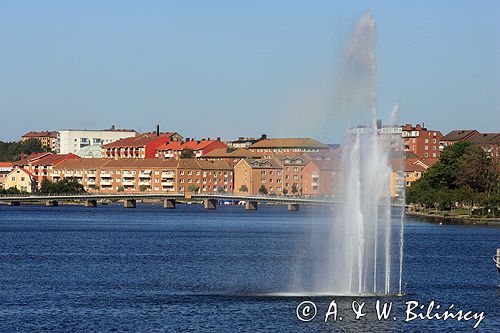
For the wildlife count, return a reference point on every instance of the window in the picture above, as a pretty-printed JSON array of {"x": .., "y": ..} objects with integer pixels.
[
  {"x": 181, "y": 172},
  {"x": 263, "y": 181},
  {"x": 190, "y": 173},
  {"x": 23, "y": 179},
  {"x": 426, "y": 147},
  {"x": 262, "y": 173}
]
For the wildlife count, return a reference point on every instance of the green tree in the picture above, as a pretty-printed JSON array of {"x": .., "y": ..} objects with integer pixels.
[
  {"x": 143, "y": 188},
  {"x": 187, "y": 153},
  {"x": 193, "y": 188},
  {"x": 66, "y": 185},
  {"x": 285, "y": 191},
  {"x": 294, "y": 189},
  {"x": 263, "y": 189},
  {"x": 243, "y": 188}
]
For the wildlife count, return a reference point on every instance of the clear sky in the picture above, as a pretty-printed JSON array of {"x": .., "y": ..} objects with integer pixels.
[{"x": 240, "y": 68}]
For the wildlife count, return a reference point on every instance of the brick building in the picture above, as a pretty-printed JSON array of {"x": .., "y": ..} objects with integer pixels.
[
  {"x": 420, "y": 141},
  {"x": 288, "y": 146},
  {"x": 198, "y": 147},
  {"x": 142, "y": 146}
]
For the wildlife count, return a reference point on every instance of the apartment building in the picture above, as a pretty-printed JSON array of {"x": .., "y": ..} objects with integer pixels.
[
  {"x": 321, "y": 178},
  {"x": 46, "y": 138},
  {"x": 85, "y": 170},
  {"x": 71, "y": 141},
  {"x": 420, "y": 141},
  {"x": 250, "y": 175},
  {"x": 288, "y": 146},
  {"x": 141, "y": 146},
  {"x": 40, "y": 165},
  {"x": 147, "y": 175},
  {"x": 199, "y": 148},
  {"x": 292, "y": 167}
]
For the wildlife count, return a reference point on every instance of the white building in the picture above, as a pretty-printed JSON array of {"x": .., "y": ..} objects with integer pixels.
[{"x": 71, "y": 141}]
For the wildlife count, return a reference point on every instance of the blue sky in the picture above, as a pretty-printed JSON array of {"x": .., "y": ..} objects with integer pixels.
[{"x": 241, "y": 68}]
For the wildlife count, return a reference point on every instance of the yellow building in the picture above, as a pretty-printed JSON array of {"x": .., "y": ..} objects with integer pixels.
[{"x": 21, "y": 179}]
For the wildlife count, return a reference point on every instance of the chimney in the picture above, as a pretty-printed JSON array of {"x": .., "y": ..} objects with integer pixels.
[
  {"x": 157, "y": 130},
  {"x": 208, "y": 139},
  {"x": 263, "y": 136},
  {"x": 218, "y": 138},
  {"x": 112, "y": 127},
  {"x": 379, "y": 123}
]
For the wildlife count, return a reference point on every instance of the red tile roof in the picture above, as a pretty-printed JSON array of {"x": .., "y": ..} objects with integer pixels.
[
  {"x": 288, "y": 143},
  {"x": 32, "y": 134},
  {"x": 193, "y": 144}
]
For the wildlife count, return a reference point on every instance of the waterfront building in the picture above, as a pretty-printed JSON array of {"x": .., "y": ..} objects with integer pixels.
[
  {"x": 321, "y": 178},
  {"x": 147, "y": 175},
  {"x": 46, "y": 138},
  {"x": 85, "y": 170},
  {"x": 21, "y": 179},
  {"x": 250, "y": 175},
  {"x": 141, "y": 146},
  {"x": 71, "y": 141},
  {"x": 292, "y": 177},
  {"x": 420, "y": 141}
]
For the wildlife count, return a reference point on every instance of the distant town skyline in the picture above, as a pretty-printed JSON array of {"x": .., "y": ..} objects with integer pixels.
[{"x": 241, "y": 69}]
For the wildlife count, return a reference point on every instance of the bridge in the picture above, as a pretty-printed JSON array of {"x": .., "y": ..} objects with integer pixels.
[{"x": 169, "y": 199}]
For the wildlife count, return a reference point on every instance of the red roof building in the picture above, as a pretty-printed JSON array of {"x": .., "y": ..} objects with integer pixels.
[
  {"x": 422, "y": 142},
  {"x": 199, "y": 147},
  {"x": 142, "y": 146}
]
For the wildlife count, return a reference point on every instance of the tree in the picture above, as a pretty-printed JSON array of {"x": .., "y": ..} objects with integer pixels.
[
  {"x": 243, "y": 188},
  {"x": 263, "y": 189},
  {"x": 221, "y": 189},
  {"x": 11, "y": 151},
  {"x": 294, "y": 189},
  {"x": 143, "y": 188},
  {"x": 285, "y": 191},
  {"x": 187, "y": 153},
  {"x": 193, "y": 188},
  {"x": 66, "y": 185}
]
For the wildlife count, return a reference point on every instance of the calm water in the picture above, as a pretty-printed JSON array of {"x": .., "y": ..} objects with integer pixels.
[{"x": 148, "y": 269}]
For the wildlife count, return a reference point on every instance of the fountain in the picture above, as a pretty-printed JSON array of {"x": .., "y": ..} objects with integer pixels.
[{"x": 361, "y": 244}]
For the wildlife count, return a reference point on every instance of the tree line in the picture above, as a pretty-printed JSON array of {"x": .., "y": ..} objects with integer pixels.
[
  {"x": 11, "y": 151},
  {"x": 464, "y": 177}
]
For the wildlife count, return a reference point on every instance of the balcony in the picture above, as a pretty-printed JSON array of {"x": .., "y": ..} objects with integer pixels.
[
  {"x": 144, "y": 182},
  {"x": 105, "y": 182},
  {"x": 128, "y": 182},
  {"x": 167, "y": 183}
]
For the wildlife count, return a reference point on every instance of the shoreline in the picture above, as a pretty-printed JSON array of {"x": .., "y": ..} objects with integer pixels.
[{"x": 440, "y": 218}]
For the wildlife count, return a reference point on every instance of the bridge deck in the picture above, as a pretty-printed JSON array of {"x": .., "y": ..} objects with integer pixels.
[{"x": 131, "y": 196}]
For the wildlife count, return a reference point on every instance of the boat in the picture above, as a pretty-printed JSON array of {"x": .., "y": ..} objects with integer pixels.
[{"x": 496, "y": 259}]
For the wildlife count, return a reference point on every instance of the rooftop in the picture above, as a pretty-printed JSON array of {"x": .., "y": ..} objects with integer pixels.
[{"x": 288, "y": 143}]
